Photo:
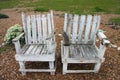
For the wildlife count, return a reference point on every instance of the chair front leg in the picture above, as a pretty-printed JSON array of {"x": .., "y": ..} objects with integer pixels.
[
  {"x": 22, "y": 67},
  {"x": 51, "y": 66},
  {"x": 97, "y": 67},
  {"x": 64, "y": 68}
]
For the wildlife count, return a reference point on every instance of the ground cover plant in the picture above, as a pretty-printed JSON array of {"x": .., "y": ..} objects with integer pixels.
[{"x": 73, "y": 6}]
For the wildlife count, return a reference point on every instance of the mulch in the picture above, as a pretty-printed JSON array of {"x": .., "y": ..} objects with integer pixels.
[{"x": 9, "y": 67}]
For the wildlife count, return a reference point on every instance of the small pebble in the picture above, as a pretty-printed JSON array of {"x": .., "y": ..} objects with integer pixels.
[
  {"x": 118, "y": 48},
  {"x": 113, "y": 46},
  {"x": 3, "y": 44}
]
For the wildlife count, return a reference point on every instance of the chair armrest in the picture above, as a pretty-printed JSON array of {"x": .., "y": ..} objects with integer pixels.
[
  {"x": 17, "y": 38},
  {"x": 17, "y": 43},
  {"x": 103, "y": 38}
]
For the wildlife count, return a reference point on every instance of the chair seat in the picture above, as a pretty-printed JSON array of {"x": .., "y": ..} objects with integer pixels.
[
  {"x": 35, "y": 53},
  {"x": 83, "y": 51}
]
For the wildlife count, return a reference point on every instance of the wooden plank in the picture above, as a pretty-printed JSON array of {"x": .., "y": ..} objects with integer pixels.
[
  {"x": 94, "y": 50},
  {"x": 34, "y": 49},
  {"x": 25, "y": 48},
  {"x": 34, "y": 31},
  {"x": 91, "y": 53},
  {"x": 94, "y": 25},
  {"x": 29, "y": 50},
  {"x": 49, "y": 24},
  {"x": 85, "y": 51},
  {"x": 39, "y": 49},
  {"x": 98, "y": 24},
  {"x": 69, "y": 25},
  {"x": 72, "y": 51},
  {"x": 37, "y": 70},
  {"x": 52, "y": 20},
  {"x": 44, "y": 28},
  {"x": 44, "y": 50},
  {"x": 87, "y": 31},
  {"x": 39, "y": 29},
  {"x": 79, "y": 51},
  {"x": 24, "y": 22},
  {"x": 83, "y": 60},
  {"x": 80, "y": 71},
  {"x": 75, "y": 28},
  {"x": 81, "y": 28},
  {"x": 29, "y": 30},
  {"x": 65, "y": 22}
]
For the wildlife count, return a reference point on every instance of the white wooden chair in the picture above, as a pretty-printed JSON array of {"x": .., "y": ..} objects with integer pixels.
[
  {"x": 79, "y": 45},
  {"x": 40, "y": 42}
]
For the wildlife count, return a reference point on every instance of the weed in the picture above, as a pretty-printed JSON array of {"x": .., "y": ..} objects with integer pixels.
[
  {"x": 2, "y": 49},
  {"x": 3, "y": 16}
]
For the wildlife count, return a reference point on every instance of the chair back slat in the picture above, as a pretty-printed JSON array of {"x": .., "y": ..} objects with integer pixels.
[
  {"x": 69, "y": 25},
  {"x": 24, "y": 26},
  {"x": 34, "y": 30},
  {"x": 52, "y": 21},
  {"x": 81, "y": 29},
  {"x": 49, "y": 24},
  {"x": 75, "y": 28},
  {"x": 87, "y": 30},
  {"x": 44, "y": 27},
  {"x": 65, "y": 22},
  {"x": 38, "y": 28},
  {"x": 94, "y": 24},
  {"x": 28, "y": 30}
]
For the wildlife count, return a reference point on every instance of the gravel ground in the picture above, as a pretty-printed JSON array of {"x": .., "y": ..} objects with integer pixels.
[{"x": 110, "y": 69}]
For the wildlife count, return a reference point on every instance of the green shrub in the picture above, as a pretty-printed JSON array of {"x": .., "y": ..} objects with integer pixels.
[
  {"x": 41, "y": 9},
  {"x": 3, "y": 16},
  {"x": 12, "y": 32},
  {"x": 98, "y": 9}
]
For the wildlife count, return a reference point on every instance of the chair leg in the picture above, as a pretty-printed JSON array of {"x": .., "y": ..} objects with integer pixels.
[
  {"x": 64, "y": 68},
  {"x": 97, "y": 67},
  {"x": 22, "y": 66},
  {"x": 51, "y": 66}
]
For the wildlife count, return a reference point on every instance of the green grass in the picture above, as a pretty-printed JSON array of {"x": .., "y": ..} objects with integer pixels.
[
  {"x": 115, "y": 20},
  {"x": 72, "y": 6}
]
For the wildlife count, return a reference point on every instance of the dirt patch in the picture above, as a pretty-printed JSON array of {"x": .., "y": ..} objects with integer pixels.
[{"x": 110, "y": 69}]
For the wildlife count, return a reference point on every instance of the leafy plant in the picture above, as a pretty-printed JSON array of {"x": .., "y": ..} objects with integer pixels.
[
  {"x": 3, "y": 16},
  {"x": 41, "y": 9},
  {"x": 12, "y": 32}
]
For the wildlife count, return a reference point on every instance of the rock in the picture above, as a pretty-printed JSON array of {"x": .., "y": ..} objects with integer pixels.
[
  {"x": 118, "y": 48},
  {"x": 113, "y": 46},
  {"x": 3, "y": 44}
]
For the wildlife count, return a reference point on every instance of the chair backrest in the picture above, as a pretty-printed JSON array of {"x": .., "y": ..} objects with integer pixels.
[
  {"x": 81, "y": 29},
  {"x": 38, "y": 27}
]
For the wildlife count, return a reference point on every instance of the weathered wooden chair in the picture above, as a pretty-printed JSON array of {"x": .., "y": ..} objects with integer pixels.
[
  {"x": 79, "y": 44},
  {"x": 40, "y": 42}
]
